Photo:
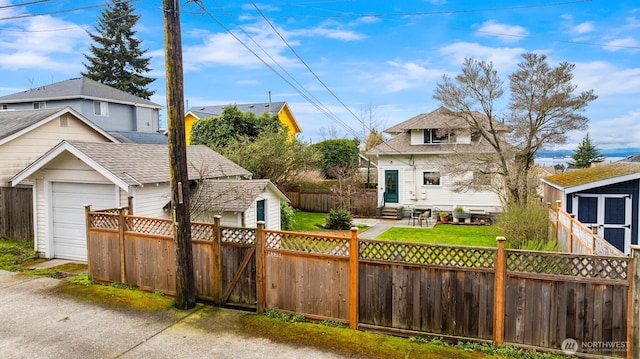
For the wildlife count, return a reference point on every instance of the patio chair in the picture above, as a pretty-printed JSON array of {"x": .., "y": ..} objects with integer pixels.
[
  {"x": 425, "y": 216},
  {"x": 415, "y": 215}
]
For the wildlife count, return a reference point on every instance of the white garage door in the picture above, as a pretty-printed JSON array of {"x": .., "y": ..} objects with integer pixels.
[{"x": 69, "y": 231}]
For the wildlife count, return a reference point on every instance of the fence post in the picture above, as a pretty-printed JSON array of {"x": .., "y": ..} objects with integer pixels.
[
  {"x": 353, "y": 278},
  {"x": 558, "y": 205},
  {"x": 573, "y": 219},
  {"x": 633, "y": 312},
  {"x": 499, "y": 289},
  {"x": 217, "y": 258},
  {"x": 121, "y": 238},
  {"x": 261, "y": 290},
  {"x": 594, "y": 233},
  {"x": 130, "y": 205},
  {"x": 87, "y": 222}
]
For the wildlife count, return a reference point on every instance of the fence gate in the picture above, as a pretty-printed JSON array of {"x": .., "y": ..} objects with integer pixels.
[{"x": 238, "y": 268}]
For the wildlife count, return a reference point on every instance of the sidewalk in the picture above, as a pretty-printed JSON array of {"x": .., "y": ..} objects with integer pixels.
[{"x": 39, "y": 322}]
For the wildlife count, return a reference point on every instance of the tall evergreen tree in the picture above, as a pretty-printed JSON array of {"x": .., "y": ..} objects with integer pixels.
[
  {"x": 586, "y": 154},
  {"x": 116, "y": 58}
]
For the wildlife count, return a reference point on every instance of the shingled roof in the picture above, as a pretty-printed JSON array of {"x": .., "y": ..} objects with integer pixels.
[
  {"x": 256, "y": 108},
  {"x": 135, "y": 164},
  {"x": 440, "y": 118},
  {"x": 234, "y": 195},
  {"x": 14, "y": 122},
  {"x": 75, "y": 88},
  {"x": 599, "y": 173}
]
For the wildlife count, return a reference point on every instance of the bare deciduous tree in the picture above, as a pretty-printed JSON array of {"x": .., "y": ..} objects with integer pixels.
[{"x": 542, "y": 109}]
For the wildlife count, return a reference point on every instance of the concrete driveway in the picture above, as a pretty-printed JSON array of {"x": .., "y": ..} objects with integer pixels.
[{"x": 36, "y": 322}]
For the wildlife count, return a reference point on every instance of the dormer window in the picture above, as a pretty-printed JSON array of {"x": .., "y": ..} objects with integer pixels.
[
  {"x": 39, "y": 105},
  {"x": 436, "y": 136}
]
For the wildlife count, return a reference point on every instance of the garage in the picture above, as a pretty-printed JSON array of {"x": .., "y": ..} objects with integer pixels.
[{"x": 68, "y": 201}]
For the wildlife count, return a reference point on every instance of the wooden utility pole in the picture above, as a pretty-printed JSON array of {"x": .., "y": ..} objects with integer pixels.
[{"x": 185, "y": 284}]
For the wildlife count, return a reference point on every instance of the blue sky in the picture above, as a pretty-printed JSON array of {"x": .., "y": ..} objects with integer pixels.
[{"x": 339, "y": 64}]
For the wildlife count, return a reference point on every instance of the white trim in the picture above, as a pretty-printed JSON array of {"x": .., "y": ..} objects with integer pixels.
[
  {"x": 58, "y": 150},
  {"x": 48, "y": 233},
  {"x": 53, "y": 117},
  {"x": 590, "y": 185},
  {"x": 34, "y": 200},
  {"x": 601, "y": 198}
]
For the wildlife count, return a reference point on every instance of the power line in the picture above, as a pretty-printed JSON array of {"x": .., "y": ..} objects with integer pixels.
[
  {"x": 309, "y": 68},
  {"x": 23, "y": 4}
]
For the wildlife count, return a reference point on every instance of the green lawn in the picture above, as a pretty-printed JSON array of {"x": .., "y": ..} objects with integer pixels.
[
  {"x": 460, "y": 235},
  {"x": 308, "y": 221},
  {"x": 484, "y": 236}
]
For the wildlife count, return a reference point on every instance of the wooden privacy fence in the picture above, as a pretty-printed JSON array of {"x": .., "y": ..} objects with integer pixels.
[
  {"x": 363, "y": 201},
  {"x": 531, "y": 299},
  {"x": 16, "y": 213},
  {"x": 575, "y": 237}
]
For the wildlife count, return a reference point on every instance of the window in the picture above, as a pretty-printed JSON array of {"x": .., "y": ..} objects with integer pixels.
[
  {"x": 39, "y": 105},
  {"x": 435, "y": 136},
  {"x": 101, "y": 108},
  {"x": 4, "y": 106},
  {"x": 431, "y": 179}
]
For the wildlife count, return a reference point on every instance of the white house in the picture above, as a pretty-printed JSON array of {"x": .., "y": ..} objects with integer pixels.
[
  {"x": 411, "y": 164},
  {"x": 105, "y": 175}
]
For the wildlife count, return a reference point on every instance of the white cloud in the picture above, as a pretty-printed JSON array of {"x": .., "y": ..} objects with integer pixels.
[
  {"x": 504, "y": 59},
  {"x": 224, "y": 49},
  {"x": 602, "y": 134},
  {"x": 34, "y": 43},
  {"x": 506, "y": 33},
  {"x": 583, "y": 28},
  {"x": 606, "y": 79},
  {"x": 402, "y": 76},
  {"x": 621, "y": 44}
]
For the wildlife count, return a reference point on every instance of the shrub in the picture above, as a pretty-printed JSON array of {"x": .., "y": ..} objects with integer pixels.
[
  {"x": 524, "y": 223},
  {"x": 286, "y": 216},
  {"x": 339, "y": 219}
]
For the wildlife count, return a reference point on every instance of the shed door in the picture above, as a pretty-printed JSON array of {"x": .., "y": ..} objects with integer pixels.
[
  {"x": 68, "y": 230},
  {"x": 612, "y": 215}
]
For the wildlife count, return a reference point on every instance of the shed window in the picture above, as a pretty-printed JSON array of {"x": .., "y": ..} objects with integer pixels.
[{"x": 431, "y": 179}]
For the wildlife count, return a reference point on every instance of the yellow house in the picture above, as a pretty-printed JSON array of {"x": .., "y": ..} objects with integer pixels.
[{"x": 279, "y": 108}]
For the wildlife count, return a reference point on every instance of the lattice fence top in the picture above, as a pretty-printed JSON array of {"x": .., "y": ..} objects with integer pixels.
[
  {"x": 583, "y": 266},
  {"x": 103, "y": 220},
  {"x": 238, "y": 235},
  {"x": 202, "y": 231},
  {"x": 155, "y": 226},
  {"x": 415, "y": 253},
  {"x": 308, "y": 243}
]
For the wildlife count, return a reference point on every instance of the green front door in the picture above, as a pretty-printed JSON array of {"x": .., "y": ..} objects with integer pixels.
[{"x": 391, "y": 186}]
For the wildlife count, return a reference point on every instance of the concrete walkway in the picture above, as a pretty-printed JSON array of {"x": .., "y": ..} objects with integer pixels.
[{"x": 40, "y": 322}]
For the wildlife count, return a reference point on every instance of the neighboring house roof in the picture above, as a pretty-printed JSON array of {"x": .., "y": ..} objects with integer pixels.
[
  {"x": 14, "y": 123},
  {"x": 632, "y": 158},
  {"x": 598, "y": 176},
  {"x": 235, "y": 195},
  {"x": 401, "y": 144},
  {"x": 150, "y": 138},
  {"x": 129, "y": 164},
  {"x": 75, "y": 88},
  {"x": 256, "y": 108},
  {"x": 439, "y": 118}
]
